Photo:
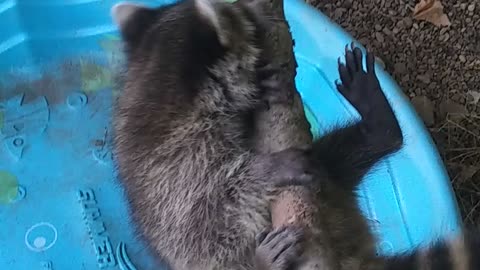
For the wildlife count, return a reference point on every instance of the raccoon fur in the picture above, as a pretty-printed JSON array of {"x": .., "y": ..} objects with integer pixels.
[{"x": 198, "y": 192}]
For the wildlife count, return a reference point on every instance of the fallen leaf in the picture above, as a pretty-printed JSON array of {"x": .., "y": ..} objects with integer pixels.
[{"x": 431, "y": 11}]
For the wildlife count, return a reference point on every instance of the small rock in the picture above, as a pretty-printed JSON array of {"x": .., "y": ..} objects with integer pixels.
[
  {"x": 418, "y": 92},
  {"x": 424, "y": 107},
  {"x": 400, "y": 24},
  {"x": 395, "y": 30},
  {"x": 401, "y": 68},
  {"x": 387, "y": 31},
  {"x": 347, "y": 4},
  {"x": 425, "y": 78},
  {"x": 463, "y": 6},
  {"x": 363, "y": 41},
  {"x": 338, "y": 13},
  {"x": 471, "y": 7},
  {"x": 379, "y": 37},
  {"x": 446, "y": 37},
  {"x": 462, "y": 58},
  {"x": 407, "y": 22},
  {"x": 378, "y": 27}
]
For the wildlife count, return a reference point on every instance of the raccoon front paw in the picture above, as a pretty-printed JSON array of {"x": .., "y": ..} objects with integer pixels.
[
  {"x": 276, "y": 89},
  {"x": 362, "y": 89},
  {"x": 278, "y": 249},
  {"x": 290, "y": 167}
]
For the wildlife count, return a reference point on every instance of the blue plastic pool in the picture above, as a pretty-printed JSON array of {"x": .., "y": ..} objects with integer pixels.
[{"x": 60, "y": 204}]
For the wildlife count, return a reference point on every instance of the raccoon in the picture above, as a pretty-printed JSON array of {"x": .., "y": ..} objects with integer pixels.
[
  {"x": 198, "y": 192},
  {"x": 340, "y": 236}
]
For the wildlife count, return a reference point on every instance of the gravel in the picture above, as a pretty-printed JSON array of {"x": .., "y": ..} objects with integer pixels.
[{"x": 438, "y": 68}]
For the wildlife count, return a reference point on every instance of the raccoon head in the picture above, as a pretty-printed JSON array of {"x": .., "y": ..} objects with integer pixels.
[
  {"x": 231, "y": 23},
  {"x": 184, "y": 41}
]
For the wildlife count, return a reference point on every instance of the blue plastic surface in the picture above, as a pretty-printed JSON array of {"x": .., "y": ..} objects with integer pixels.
[{"x": 56, "y": 73}]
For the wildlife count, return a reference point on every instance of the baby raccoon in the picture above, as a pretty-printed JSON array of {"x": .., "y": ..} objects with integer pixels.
[{"x": 198, "y": 193}]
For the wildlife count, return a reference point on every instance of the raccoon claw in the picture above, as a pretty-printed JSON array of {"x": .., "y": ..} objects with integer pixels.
[{"x": 278, "y": 249}]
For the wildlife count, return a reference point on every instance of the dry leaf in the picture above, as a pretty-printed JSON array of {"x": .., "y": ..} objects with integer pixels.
[{"x": 431, "y": 11}]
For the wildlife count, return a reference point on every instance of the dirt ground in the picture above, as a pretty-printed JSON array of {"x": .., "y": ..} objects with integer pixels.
[{"x": 438, "y": 68}]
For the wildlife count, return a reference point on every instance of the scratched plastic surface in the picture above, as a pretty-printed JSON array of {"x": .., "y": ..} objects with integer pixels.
[{"x": 56, "y": 73}]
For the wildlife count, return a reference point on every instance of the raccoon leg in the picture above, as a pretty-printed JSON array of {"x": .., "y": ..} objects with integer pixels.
[
  {"x": 348, "y": 152},
  {"x": 278, "y": 249}
]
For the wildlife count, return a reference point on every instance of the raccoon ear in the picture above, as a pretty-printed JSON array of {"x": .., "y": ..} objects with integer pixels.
[
  {"x": 132, "y": 20},
  {"x": 209, "y": 11}
]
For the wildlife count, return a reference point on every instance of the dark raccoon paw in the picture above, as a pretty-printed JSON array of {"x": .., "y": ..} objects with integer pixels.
[
  {"x": 362, "y": 89},
  {"x": 357, "y": 86},
  {"x": 289, "y": 167},
  {"x": 278, "y": 249},
  {"x": 276, "y": 89}
]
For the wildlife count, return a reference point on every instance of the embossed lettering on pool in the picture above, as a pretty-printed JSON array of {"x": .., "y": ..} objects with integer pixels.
[
  {"x": 96, "y": 227},
  {"x": 99, "y": 236}
]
